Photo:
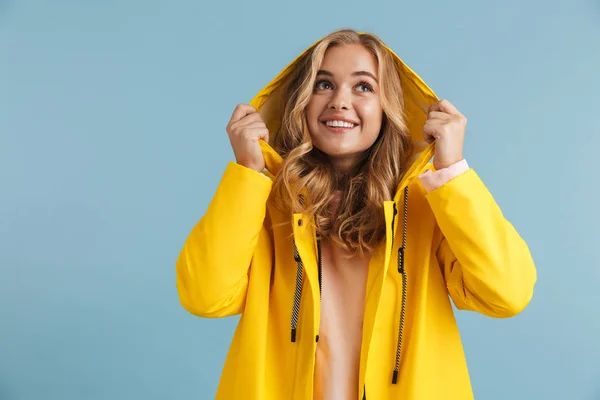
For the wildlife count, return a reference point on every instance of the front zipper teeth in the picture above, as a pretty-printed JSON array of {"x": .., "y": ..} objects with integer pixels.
[
  {"x": 320, "y": 266},
  {"x": 297, "y": 293},
  {"x": 393, "y": 222}
]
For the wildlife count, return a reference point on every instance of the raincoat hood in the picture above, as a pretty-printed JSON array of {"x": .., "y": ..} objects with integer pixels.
[{"x": 417, "y": 99}]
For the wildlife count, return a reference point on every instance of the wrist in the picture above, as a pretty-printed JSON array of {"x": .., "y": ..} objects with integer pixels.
[
  {"x": 252, "y": 166},
  {"x": 443, "y": 164}
]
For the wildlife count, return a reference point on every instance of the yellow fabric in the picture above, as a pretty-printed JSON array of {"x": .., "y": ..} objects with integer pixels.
[{"x": 239, "y": 259}]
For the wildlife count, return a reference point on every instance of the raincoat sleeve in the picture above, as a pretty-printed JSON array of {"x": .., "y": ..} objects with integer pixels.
[
  {"x": 486, "y": 264},
  {"x": 213, "y": 266}
]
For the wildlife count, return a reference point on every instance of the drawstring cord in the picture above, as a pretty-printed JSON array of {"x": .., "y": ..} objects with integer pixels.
[
  {"x": 402, "y": 271},
  {"x": 297, "y": 292}
]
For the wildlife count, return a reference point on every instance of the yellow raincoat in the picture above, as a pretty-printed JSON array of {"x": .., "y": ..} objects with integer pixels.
[{"x": 240, "y": 258}]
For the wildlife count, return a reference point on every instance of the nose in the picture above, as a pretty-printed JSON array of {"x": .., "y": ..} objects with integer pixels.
[{"x": 339, "y": 100}]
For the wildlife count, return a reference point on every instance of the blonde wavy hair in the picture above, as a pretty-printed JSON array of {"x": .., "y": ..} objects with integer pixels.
[{"x": 307, "y": 180}]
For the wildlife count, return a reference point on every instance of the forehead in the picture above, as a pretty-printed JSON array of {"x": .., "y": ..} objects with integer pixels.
[{"x": 346, "y": 59}]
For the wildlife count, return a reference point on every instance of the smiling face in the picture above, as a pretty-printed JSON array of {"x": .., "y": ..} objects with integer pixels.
[{"x": 344, "y": 113}]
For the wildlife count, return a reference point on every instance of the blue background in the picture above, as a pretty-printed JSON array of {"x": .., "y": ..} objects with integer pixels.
[{"x": 112, "y": 142}]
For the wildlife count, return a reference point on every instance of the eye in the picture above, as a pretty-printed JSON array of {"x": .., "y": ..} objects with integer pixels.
[
  {"x": 366, "y": 87},
  {"x": 323, "y": 85}
]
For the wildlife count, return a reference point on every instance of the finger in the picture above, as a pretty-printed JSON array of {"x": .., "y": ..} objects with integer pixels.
[
  {"x": 445, "y": 106},
  {"x": 429, "y": 138},
  {"x": 434, "y": 124},
  {"x": 434, "y": 107},
  {"x": 245, "y": 122},
  {"x": 258, "y": 133},
  {"x": 432, "y": 130},
  {"x": 439, "y": 116},
  {"x": 240, "y": 129},
  {"x": 428, "y": 132},
  {"x": 241, "y": 110},
  {"x": 248, "y": 119}
]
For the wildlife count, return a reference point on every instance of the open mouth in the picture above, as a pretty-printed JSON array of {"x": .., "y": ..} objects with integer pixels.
[{"x": 339, "y": 126}]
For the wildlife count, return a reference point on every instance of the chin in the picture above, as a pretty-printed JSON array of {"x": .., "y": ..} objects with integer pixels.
[{"x": 334, "y": 153}]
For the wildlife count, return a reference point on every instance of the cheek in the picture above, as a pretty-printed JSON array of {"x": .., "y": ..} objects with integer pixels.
[
  {"x": 310, "y": 111},
  {"x": 313, "y": 109},
  {"x": 372, "y": 114}
]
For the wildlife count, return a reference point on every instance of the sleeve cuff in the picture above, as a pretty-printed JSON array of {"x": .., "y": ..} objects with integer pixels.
[{"x": 432, "y": 180}]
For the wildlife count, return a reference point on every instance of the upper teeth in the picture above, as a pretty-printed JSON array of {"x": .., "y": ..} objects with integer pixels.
[{"x": 343, "y": 124}]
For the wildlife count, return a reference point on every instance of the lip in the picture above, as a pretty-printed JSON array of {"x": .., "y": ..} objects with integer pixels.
[{"x": 338, "y": 129}]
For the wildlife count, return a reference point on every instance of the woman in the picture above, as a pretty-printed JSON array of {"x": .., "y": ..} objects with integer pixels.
[{"x": 338, "y": 242}]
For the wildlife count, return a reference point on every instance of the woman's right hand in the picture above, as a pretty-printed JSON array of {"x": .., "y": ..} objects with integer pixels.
[{"x": 245, "y": 128}]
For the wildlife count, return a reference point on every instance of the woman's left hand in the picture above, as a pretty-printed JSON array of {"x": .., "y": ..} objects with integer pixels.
[{"x": 446, "y": 125}]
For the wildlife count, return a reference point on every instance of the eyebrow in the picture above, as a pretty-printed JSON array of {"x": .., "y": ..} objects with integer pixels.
[{"x": 357, "y": 73}]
